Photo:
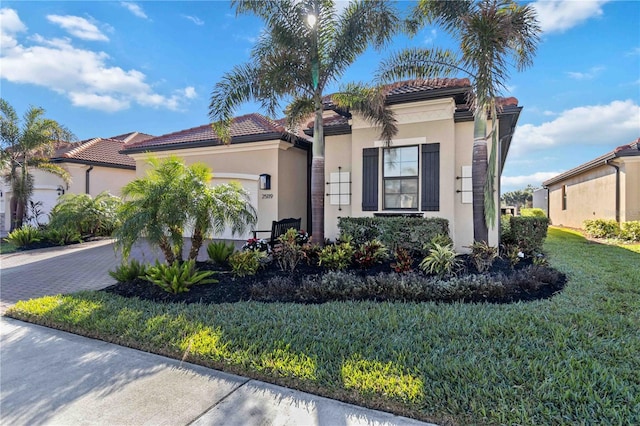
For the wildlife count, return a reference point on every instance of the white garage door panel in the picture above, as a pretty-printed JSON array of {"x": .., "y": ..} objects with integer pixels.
[{"x": 250, "y": 186}]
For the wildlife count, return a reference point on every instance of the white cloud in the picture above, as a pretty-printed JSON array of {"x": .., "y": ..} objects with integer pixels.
[
  {"x": 78, "y": 27},
  {"x": 135, "y": 9},
  {"x": 10, "y": 26},
  {"x": 534, "y": 179},
  {"x": 561, "y": 15},
  {"x": 83, "y": 76},
  {"x": 615, "y": 123},
  {"x": 433, "y": 34},
  {"x": 592, "y": 73},
  {"x": 633, "y": 52},
  {"x": 194, "y": 19}
]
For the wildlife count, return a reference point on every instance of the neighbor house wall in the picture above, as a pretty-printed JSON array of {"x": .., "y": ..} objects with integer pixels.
[
  {"x": 589, "y": 195},
  {"x": 629, "y": 188}
]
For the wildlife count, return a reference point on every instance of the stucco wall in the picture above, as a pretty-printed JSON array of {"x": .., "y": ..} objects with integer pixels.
[
  {"x": 244, "y": 163},
  {"x": 100, "y": 179},
  {"x": 590, "y": 195},
  {"x": 419, "y": 123},
  {"x": 630, "y": 189}
]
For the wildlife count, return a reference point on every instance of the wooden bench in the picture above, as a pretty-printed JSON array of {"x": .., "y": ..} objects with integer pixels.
[{"x": 279, "y": 227}]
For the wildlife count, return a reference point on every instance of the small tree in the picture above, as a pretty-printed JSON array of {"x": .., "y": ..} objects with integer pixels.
[
  {"x": 174, "y": 197},
  {"x": 24, "y": 147},
  {"x": 85, "y": 214}
]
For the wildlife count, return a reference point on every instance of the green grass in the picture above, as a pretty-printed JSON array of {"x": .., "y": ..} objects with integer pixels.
[
  {"x": 6, "y": 247},
  {"x": 572, "y": 359}
]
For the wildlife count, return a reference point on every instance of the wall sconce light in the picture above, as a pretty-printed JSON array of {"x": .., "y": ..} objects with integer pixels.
[
  {"x": 60, "y": 190},
  {"x": 265, "y": 181}
]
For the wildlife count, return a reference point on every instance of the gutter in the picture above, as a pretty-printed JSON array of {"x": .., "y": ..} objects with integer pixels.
[
  {"x": 86, "y": 182},
  {"x": 607, "y": 162}
]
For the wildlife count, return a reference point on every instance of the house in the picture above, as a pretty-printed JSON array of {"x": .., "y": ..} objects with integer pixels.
[
  {"x": 607, "y": 187},
  {"x": 95, "y": 165},
  {"x": 426, "y": 171},
  {"x": 269, "y": 162}
]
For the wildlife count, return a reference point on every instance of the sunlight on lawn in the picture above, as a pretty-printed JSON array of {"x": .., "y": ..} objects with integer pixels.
[{"x": 387, "y": 379}]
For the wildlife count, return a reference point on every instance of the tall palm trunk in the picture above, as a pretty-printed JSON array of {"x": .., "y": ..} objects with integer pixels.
[
  {"x": 479, "y": 174},
  {"x": 317, "y": 175}
]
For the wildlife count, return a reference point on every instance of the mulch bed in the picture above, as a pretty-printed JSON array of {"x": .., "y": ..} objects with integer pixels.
[{"x": 232, "y": 289}]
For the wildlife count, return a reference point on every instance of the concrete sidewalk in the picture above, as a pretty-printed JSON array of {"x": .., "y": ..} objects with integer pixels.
[{"x": 49, "y": 377}]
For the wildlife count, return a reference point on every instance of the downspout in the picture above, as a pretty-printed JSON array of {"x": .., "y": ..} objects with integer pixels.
[
  {"x": 617, "y": 188},
  {"x": 86, "y": 182}
]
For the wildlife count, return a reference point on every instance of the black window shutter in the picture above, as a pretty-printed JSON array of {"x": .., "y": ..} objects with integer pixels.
[
  {"x": 430, "y": 177},
  {"x": 370, "y": 179}
]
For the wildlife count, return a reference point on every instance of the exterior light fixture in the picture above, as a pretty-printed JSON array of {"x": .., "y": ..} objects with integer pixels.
[
  {"x": 265, "y": 181},
  {"x": 60, "y": 190}
]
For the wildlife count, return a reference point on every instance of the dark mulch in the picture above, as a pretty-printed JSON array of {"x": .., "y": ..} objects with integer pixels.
[{"x": 232, "y": 289}]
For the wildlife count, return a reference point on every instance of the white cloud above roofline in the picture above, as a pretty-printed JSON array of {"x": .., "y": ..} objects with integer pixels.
[{"x": 557, "y": 16}]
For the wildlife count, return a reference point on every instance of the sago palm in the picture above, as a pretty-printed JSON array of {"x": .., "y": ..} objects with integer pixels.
[
  {"x": 491, "y": 33},
  {"x": 305, "y": 47},
  {"x": 24, "y": 147}
]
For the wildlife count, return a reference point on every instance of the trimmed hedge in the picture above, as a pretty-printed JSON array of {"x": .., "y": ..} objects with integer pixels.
[
  {"x": 630, "y": 230},
  {"x": 601, "y": 228},
  {"x": 410, "y": 233},
  {"x": 535, "y": 212},
  {"x": 528, "y": 233}
]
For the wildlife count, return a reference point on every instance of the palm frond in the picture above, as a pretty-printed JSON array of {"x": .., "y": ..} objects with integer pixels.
[{"x": 419, "y": 63}]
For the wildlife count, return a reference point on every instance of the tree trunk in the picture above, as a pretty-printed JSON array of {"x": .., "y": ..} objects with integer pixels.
[
  {"x": 13, "y": 209},
  {"x": 479, "y": 175},
  {"x": 317, "y": 176},
  {"x": 166, "y": 250},
  {"x": 196, "y": 243}
]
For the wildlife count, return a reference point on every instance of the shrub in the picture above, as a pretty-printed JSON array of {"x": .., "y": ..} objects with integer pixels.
[
  {"x": 535, "y": 212},
  {"x": 370, "y": 253},
  {"x": 482, "y": 255},
  {"x": 630, "y": 230},
  {"x": 219, "y": 251},
  {"x": 601, "y": 228},
  {"x": 246, "y": 262},
  {"x": 439, "y": 239},
  {"x": 529, "y": 233},
  {"x": 178, "y": 277},
  {"x": 513, "y": 254},
  {"x": 404, "y": 261},
  {"x": 289, "y": 252},
  {"x": 256, "y": 244},
  {"x": 62, "y": 236},
  {"x": 24, "y": 236},
  {"x": 406, "y": 232},
  {"x": 126, "y": 272},
  {"x": 505, "y": 229},
  {"x": 441, "y": 261},
  {"x": 336, "y": 256},
  {"x": 89, "y": 216}
]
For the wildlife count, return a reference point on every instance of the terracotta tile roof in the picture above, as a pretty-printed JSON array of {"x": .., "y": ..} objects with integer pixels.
[
  {"x": 132, "y": 137},
  {"x": 99, "y": 151},
  {"x": 244, "y": 126}
]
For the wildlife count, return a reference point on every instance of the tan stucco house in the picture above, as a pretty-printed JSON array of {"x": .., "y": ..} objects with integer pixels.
[
  {"x": 426, "y": 171},
  {"x": 269, "y": 162},
  {"x": 95, "y": 165},
  {"x": 607, "y": 187}
]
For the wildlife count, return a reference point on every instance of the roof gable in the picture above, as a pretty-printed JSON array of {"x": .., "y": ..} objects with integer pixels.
[{"x": 96, "y": 151}]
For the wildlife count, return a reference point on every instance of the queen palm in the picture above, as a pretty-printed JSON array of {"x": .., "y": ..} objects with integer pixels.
[
  {"x": 491, "y": 33},
  {"x": 25, "y": 147},
  {"x": 305, "y": 47}
]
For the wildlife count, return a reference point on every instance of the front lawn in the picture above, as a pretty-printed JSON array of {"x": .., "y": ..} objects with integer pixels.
[{"x": 571, "y": 359}]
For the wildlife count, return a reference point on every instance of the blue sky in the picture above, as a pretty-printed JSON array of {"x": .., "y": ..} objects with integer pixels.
[{"x": 107, "y": 68}]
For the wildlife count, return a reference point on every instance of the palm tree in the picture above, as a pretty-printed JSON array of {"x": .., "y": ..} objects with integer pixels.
[
  {"x": 491, "y": 33},
  {"x": 305, "y": 47},
  {"x": 28, "y": 147},
  {"x": 174, "y": 197}
]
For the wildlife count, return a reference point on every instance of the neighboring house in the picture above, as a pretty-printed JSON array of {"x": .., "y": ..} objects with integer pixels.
[
  {"x": 540, "y": 200},
  {"x": 607, "y": 187},
  {"x": 95, "y": 165},
  {"x": 270, "y": 163},
  {"x": 426, "y": 171}
]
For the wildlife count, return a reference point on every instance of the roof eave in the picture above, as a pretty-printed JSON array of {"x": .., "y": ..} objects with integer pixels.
[
  {"x": 92, "y": 163},
  {"x": 296, "y": 141}
]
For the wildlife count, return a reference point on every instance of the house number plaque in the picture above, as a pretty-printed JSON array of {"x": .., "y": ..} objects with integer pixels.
[{"x": 267, "y": 196}]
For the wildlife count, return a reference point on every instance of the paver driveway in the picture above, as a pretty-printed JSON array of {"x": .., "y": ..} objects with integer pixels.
[{"x": 36, "y": 273}]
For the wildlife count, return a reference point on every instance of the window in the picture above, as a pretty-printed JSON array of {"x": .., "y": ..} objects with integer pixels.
[
  {"x": 408, "y": 172},
  {"x": 400, "y": 174},
  {"x": 564, "y": 197}
]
